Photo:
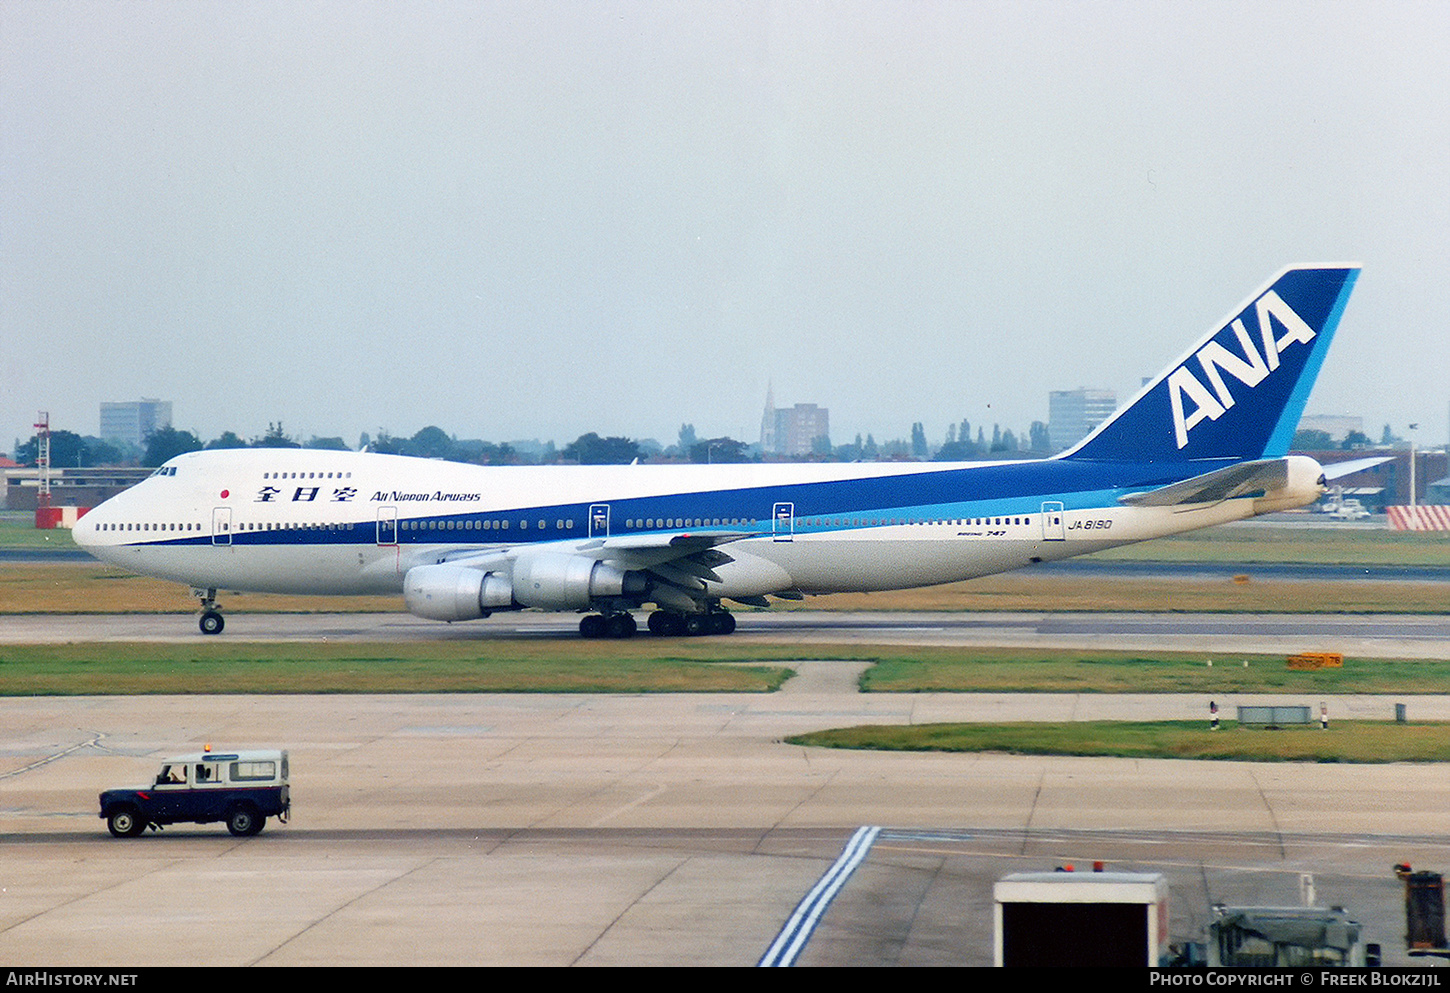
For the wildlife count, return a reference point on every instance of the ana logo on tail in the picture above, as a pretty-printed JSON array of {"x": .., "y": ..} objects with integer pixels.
[
  {"x": 1237, "y": 393},
  {"x": 1250, "y": 369}
]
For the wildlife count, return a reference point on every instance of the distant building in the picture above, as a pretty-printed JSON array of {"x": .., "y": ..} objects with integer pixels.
[
  {"x": 20, "y": 486},
  {"x": 767, "y": 422},
  {"x": 794, "y": 430},
  {"x": 1337, "y": 427},
  {"x": 1072, "y": 414},
  {"x": 1438, "y": 492},
  {"x": 134, "y": 421}
]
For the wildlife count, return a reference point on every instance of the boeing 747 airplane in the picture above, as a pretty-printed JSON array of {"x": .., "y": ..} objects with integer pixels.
[{"x": 1204, "y": 443}]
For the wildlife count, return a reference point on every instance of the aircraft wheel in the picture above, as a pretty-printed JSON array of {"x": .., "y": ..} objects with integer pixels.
[
  {"x": 212, "y": 622},
  {"x": 697, "y": 624},
  {"x": 592, "y": 626},
  {"x": 666, "y": 624},
  {"x": 621, "y": 625},
  {"x": 724, "y": 623}
]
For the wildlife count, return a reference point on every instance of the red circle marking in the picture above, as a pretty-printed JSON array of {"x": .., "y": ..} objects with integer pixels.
[{"x": 226, "y": 493}]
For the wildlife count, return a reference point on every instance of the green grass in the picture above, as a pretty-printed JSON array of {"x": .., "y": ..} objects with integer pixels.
[
  {"x": 647, "y": 666},
  {"x": 1345, "y": 741},
  {"x": 449, "y": 667},
  {"x": 1020, "y": 670},
  {"x": 1264, "y": 542},
  {"x": 20, "y": 532}
]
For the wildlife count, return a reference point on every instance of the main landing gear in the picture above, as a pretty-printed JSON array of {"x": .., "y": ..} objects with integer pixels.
[
  {"x": 620, "y": 625},
  {"x": 670, "y": 624},
  {"x": 211, "y": 620},
  {"x": 664, "y": 623}
]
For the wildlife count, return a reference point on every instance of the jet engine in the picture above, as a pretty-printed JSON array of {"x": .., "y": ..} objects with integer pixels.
[
  {"x": 455, "y": 592},
  {"x": 561, "y": 581}
]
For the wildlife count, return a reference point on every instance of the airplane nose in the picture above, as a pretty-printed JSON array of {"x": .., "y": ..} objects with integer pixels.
[
  {"x": 87, "y": 531},
  {"x": 84, "y": 532}
]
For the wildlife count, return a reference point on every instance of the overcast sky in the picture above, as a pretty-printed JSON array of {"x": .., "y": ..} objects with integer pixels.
[{"x": 539, "y": 219}]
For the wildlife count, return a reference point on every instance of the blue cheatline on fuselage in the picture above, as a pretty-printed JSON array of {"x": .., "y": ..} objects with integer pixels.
[{"x": 970, "y": 491}]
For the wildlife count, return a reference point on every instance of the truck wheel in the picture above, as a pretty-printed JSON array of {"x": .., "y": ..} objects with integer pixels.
[
  {"x": 124, "y": 823},
  {"x": 244, "y": 821}
]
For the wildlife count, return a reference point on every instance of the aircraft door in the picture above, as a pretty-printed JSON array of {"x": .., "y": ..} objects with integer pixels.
[
  {"x": 599, "y": 520},
  {"x": 221, "y": 526},
  {"x": 1053, "y": 526},
  {"x": 387, "y": 525},
  {"x": 783, "y": 522}
]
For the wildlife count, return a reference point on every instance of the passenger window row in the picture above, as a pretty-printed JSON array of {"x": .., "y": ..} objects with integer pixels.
[
  {"x": 306, "y": 475},
  {"x": 148, "y": 527},
  {"x": 561, "y": 524}
]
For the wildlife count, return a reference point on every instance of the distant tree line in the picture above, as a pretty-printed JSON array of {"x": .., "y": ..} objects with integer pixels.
[
  {"x": 70, "y": 450},
  {"x": 1315, "y": 440},
  {"x": 432, "y": 442}
]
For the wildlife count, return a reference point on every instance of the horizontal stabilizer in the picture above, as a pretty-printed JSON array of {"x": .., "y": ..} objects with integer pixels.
[
  {"x": 1247, "y": 478},
  {"x": 1338, "y": 470}
]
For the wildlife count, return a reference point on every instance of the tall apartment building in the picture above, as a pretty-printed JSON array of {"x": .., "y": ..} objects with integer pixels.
[
  {"x": 793, "y": 430},
  {"x": 1337, "y": 427},
  {"x": 1072, "y": 414},
  {"x": 133, "y": 421}
]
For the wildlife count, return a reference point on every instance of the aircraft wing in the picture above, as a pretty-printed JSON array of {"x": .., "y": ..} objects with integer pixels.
[
  {"x": 645, "y": 551},
  {"x": 678, "y": 543},
  {"x": 685, "y": 560},
  {"x": 1222, "y": 484},
  {"x": 681, "y": 563},
  {"x": 635, "y": 551}
]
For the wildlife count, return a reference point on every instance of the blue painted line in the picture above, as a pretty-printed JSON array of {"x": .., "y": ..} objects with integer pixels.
[{"x": 802, "y": 924}]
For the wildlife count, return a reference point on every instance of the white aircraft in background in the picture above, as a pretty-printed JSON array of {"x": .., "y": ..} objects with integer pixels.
[{"x": 1204, "y": 443}]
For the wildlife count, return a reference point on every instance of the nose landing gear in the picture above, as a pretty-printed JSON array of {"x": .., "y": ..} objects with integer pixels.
[{"x": 211, "y": 620}]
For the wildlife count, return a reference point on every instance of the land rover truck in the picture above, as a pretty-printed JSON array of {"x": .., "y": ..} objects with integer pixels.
[{"x": 241, "y": 789}]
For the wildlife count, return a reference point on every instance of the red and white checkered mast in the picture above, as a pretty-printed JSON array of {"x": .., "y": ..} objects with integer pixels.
[{"x": 42, "y": 461}]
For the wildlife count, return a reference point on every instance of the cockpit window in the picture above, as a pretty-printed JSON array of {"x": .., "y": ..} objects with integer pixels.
[{"x": 166, "y": 470}]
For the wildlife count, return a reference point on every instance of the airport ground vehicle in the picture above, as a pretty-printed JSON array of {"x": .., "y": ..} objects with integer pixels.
[
  {"x": 242, "y": 789},
  {"x": 1077, "y": 919},
  {"x": 1349, "y": 510}
]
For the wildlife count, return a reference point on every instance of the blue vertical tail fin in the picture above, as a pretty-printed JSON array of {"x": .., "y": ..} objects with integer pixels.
[{"x": 1239, "y": 392}]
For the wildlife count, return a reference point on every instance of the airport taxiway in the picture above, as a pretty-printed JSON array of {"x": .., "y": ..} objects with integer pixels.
[
  {"x": 1366, "y": 635},
  {"x": 652, "y": 829}
]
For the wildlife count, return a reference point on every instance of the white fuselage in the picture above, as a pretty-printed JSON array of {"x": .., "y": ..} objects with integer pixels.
[{"x": 303, "y": 521}]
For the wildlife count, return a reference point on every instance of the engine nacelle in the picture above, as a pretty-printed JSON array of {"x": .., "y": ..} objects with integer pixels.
[
  {"x": 1303, "y": 484},
  {"x": 560, "y": 581},
  {"x": 455, "y": 592}
]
